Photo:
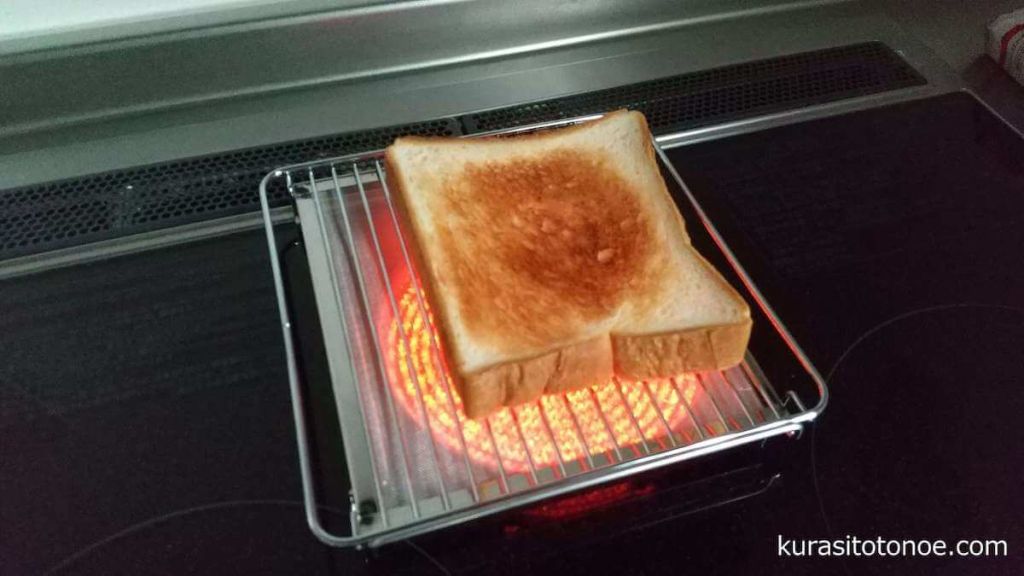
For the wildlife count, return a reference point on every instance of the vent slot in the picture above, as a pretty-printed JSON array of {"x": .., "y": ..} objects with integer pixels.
[
  {"x": 726, "y": 94},
  {"x": 60, "y": 214},
  {"x": 56, "y": 215}
]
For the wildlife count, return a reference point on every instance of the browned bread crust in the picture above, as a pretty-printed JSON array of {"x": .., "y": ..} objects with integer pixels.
[{"x": 576, "y": 257}]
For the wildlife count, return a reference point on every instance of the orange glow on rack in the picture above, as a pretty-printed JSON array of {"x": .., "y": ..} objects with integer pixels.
[
  {"x": 533, "y": 424},
  {"x": 583, "y": 504}
]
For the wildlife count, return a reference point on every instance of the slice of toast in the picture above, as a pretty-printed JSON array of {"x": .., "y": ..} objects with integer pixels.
[{"x": 554, "y": 260}]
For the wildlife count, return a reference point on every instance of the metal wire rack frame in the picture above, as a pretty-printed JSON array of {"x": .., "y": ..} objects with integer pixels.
[{"x": 710, "y": 412}]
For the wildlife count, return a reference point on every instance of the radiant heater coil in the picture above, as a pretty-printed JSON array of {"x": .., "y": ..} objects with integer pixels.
[{"x": 568, "y": 443}]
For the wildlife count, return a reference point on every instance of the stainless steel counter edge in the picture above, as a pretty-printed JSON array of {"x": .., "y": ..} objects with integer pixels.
[
  {"x": 234, "y": 124},
  {"x": 261, "y": 57},
  {"x": 64, "y": 149}
]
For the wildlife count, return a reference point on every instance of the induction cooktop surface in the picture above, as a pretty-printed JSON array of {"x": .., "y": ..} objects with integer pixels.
[
  {"x": 888, "y": 240},
  {"x": 891, "y": 242}
]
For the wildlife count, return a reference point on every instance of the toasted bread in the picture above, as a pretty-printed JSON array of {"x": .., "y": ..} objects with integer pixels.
[{"x": 555, "y": 260}]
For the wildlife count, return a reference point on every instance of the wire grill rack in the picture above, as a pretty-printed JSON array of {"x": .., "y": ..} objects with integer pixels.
[{"x": 416, "y": 463}]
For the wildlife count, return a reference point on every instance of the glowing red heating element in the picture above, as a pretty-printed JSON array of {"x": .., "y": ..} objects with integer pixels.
[
  {"x": 568, "y": 443},
  {"x": 583, "y": 504}
]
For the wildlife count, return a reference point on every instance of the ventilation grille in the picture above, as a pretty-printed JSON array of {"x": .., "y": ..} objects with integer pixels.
[
  {"x": 729, "y": 93},
  {"x": 58, "y": 214}
]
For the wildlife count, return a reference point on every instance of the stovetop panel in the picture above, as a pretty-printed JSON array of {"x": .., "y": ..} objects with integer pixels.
[
  {"x": 888, "y": 234},
  {"x": 890, "y": 242},
  {"x": 847, "y": 222}
]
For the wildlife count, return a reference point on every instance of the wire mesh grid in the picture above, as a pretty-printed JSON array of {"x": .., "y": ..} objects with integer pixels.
[
  {"x": 427, "y": 465},
  {"x": 427, "y": 457}
]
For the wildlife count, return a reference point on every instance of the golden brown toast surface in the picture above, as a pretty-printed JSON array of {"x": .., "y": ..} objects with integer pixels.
[
  {"x": 531, "y": 263},
  {"x": 558, "y": 259}
]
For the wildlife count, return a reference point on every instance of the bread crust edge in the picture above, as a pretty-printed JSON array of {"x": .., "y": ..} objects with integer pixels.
[
  {"x": 412, "y": 238},
  {"x": 585, "y": 363},
  {"x": 518, "y": 382},
  {"x": 644, "y": 356}
]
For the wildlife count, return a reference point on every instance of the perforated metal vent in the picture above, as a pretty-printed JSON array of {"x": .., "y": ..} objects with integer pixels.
[
  {"x": 54, "y": 215},
  {"x": 729, "y": 93}
]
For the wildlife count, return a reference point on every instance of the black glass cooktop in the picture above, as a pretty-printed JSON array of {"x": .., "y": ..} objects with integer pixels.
[
  {"x": 145, "y": 425},
  {"x": 892, "y": 244},
  {"x": 851, "y": 222}
]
